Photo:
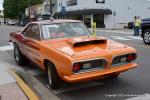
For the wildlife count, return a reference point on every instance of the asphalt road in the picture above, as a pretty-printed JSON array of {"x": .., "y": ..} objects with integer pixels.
[
  {"x": 4, "y": 33},
  {"x": 129, "y": 84}
]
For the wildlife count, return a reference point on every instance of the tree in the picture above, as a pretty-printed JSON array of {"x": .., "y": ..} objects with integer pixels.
[{"x": 13, "y": 8}]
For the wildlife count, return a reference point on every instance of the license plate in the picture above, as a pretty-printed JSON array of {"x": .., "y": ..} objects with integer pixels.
[
  {"x": 86, "y": 66},
  {"x": 124, "y": 59}
]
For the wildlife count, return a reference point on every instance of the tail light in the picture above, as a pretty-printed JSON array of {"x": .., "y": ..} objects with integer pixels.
[
  {"x": 88, "y": 65},
  {"x": 76, "y": 67},
  {"x": 123, "y": 59},
  {"x": 131, "y": 57}
]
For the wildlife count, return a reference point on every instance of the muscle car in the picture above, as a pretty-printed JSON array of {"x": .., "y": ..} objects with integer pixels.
[{"x": 65, "y": 50}]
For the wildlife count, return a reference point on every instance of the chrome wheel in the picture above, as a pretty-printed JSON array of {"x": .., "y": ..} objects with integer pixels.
[
  {"x": 53, "y": 78},
  {"x": 147, "y": 37},
  {"x": 49, "y": 76},
  {"x": 16, "y": 52},
  {"x": 19, "y": 57}
]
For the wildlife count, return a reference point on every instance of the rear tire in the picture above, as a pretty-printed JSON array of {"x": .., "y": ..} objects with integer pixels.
[
  {"x": 146, "y": 36},
  {"x": 53, "y": 78},
  {"x": 19, "y": 57}
]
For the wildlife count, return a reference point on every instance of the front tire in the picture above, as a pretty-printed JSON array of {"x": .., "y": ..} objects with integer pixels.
[
  {"x": 146, "y": 36},
  {"x": 19, "y": 57},
  {"x": 53, "y": 78}
]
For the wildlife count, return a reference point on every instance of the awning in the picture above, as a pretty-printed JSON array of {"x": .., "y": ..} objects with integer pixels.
[{"x": 85, "y": 11}]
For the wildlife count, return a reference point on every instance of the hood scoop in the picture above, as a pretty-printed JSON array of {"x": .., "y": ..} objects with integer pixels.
[{"x": 77, "y": 42}]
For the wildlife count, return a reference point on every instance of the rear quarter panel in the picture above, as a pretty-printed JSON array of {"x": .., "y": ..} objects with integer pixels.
[{"x": 61, "y": 61}]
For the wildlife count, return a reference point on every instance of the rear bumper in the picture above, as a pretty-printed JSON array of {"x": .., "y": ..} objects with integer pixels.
[{"x": 99, "y": 74}]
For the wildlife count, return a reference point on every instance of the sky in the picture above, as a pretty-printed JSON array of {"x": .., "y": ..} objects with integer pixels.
[{"x": 1, "y": 4}]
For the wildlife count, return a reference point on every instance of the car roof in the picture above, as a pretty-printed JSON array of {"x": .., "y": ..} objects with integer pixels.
[{"x": 55, "y": 21}]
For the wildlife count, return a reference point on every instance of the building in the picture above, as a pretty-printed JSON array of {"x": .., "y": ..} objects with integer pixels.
[
  {"x": 106, "y": 13},
  {"x": 1, "y": 13},
  {"x": 34, "y": 10},
  {"x": 39, "y": 9}
]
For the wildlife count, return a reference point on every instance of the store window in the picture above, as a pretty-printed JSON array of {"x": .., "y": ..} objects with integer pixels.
[
  {"x": 71, "y": 2},
  {"x": 99, "y": 19}
]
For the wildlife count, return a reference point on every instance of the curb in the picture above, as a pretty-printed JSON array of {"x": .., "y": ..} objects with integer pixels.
[
  {"x": 32, "y": 88},
  {"x": 25, "y": 88}
]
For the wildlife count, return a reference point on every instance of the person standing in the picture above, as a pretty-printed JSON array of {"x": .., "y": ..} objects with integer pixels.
[
  {"x": 134, "y": 26},
  {"x": 137, "y": 24}
]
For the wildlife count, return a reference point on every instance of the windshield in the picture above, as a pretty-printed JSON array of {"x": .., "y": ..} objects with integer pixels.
[{"x": 61, "y": 30}]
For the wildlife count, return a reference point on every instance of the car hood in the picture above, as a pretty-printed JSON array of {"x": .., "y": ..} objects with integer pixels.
[{"x": 82, "y": 46}]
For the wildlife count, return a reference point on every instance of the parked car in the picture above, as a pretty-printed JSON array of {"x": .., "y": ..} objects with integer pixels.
[
  {"x": 65, "y": 50},
  {"x": 23, "y": 22},
  {"x": 43, "y": 17},
  {"x": 146, "y": 30},
  {"x": 11, "y": 22},
  {"x": 130, "y": 25}
]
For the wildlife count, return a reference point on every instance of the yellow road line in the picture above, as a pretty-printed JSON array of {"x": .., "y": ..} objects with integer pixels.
[{"x": 26, "y": 89}]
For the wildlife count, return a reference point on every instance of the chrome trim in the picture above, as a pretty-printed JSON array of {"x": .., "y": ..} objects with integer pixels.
[
  {"x": 40, "y": 31},
  {"x": 122, "y": 54},
  {"x": 25, "y": 28},
  {"x": 92, "y": 69},
  {"x": 88, "y": 71},
  {"x": 119, "y": 64},
  {"x": 116, "y": 65},
  {"x": 101, "y": 58},
  {"x": 97, "y": 69}
]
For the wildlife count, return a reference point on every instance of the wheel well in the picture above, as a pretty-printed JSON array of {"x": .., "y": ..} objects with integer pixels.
[
  {"x": 45, "y": 62},
  {"x": 145, "y": 28}
]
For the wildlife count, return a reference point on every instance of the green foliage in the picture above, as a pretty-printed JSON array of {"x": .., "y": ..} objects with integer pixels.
[{"x": 14, "y": 8}]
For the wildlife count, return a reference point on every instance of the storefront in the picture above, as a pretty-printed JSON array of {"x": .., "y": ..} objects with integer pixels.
[
  {"x": 106, "y": 13},
  {"x": 87, "y": 16}
]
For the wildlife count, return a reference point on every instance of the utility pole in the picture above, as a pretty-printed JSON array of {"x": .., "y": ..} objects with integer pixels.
[
  {"x": 51, "y": 6},
  {"x": 29, "y": 10}
]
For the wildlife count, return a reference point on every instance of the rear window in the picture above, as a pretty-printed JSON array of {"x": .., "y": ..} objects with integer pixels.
[{"x": 61, "y": 30}]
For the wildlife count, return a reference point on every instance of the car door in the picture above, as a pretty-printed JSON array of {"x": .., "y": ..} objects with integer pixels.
[
  {"x": 32, "y": 43},
  {"x": 23, "y": 39}
]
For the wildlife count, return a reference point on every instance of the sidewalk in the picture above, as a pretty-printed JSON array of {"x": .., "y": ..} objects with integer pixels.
[
  {"x": 9, "y": 90},
  {"x": 123, "y": 31}
]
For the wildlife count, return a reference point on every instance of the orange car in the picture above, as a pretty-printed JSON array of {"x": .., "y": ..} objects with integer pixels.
[{"x": 65, "y": 50}]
